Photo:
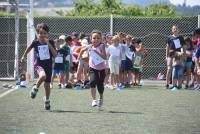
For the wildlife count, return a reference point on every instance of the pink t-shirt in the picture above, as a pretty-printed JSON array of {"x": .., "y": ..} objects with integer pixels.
[{"x": 100, "y": 66}]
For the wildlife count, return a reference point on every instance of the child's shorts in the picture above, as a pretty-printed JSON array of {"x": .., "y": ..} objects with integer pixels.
[
  {"x": 61, "y": 72},
  {"x": 114, "y": 67},
  {"x": 136, "y": 70},
  {"x": 177, "y": 73},
  {"x": 188, "y": 65},
  {"x": 126, "y": 65}
]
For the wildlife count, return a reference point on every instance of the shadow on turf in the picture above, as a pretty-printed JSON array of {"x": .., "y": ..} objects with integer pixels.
[{"x": 113, "y": 112}]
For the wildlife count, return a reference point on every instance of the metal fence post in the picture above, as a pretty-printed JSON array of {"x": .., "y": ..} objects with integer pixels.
[
  {"x": 16, "y": 64},
  {"x": 30, "y": 38},
  {"x": 198, "y": 21},
  {"x": 111, "y": 24}
]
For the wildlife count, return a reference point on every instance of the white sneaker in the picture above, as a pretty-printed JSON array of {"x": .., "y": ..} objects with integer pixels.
[
  {"x": 94, "y": 103},
  {"x": 62, "y": 86},
  {"x": 174, "y": 89}
]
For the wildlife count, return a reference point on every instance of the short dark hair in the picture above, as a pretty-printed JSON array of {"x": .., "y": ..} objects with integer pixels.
[
  {"x": 96, "y": 31},
  {"x": 42, "y": 26}
]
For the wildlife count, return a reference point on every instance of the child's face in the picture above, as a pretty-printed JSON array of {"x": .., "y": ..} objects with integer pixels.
[
  {"x": 128, "y": 40},
  {"x": 96, "y": 39},
  {"x": 175, "y": 30},
  {"x": 42, "y": 35},
  {"x": 108, "y": 39}
]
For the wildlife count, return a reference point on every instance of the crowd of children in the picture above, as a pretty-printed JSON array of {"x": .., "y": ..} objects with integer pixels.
[
  {"x": 78, "y": 60},
  {"x": 114, "y": 61},
  {"x": 182, "y": 56}
]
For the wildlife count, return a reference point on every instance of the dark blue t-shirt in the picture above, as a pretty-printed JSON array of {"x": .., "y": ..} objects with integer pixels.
[
  {"x": 173, "y": 42},
  {"x": 60, "y": 59},
  {"x": 42, "y": 54}
]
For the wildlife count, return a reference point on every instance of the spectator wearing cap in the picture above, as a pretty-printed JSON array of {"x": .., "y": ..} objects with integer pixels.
[
  {"x": 58, "y": 67},
  {"x": 62, "y": 39},
  {"x": 67, "y": 63}
]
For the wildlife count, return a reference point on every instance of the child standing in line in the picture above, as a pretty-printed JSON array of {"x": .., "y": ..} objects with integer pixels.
[
  {"x": 44, "y": 50},
  {"x": 67, "y": 61},
  {"x": 137, "y": 63},
  {"x": 97, "y": 57},
  {"x": 58, "y": 69},
  {"x": 177, "y": 70},
  {"x": 114, "y": 54},
  {"x": 107, "y": 70},
  {"x": 196, "y": 40},
  {"x": 188, "y": 62}
]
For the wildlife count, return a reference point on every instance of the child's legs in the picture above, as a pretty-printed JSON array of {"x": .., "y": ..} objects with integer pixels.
[
  {"x": 79, "y": 71},
  {"x": 66, "y": 72},
  {"x": 42, "y": 76},
  {"x": 180, "y": 75},
  {"x": 47, "y": 90},
  {"x": 169, "y": 70},
  {"x": 47, "y": 82},
  {"x": 61, "y": 76},
  {"x": 53, "y": 76},
  {"x": 174, "y": 76},
  {"x": 112, "y": 79},
  {"x": 100, "y": 82},
  {"x": 188, "y": 72},
  {"x": 106, "y": 81},
  {"x": 92, "y": 74},
  {"x": 85, "y": 71}
]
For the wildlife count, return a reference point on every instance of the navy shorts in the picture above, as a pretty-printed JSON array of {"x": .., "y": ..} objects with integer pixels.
[{"x": 126, "y": 65}]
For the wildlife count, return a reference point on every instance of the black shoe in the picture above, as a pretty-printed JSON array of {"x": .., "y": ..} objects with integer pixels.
[
  {"x": 47, "y": 105},
  {"x": 167, "y": 86},
  {"x": 33, "y": 92},
  {"x": 59, "y": 86},
  {"x": 186, "y": 86}
]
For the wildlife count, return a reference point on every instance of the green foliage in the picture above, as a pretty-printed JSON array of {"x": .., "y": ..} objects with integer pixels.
[
  {"x": 160, "y": 10},
  {"x": 4, "y": 14},
  {"x": 107, "y": 7}
]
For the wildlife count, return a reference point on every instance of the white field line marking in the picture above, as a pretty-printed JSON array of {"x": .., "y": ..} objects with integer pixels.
[{"x": 7, "y": 92}]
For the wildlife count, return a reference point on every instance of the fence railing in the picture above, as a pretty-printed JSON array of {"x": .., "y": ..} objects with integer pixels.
[{"x": 152, "y": 31}]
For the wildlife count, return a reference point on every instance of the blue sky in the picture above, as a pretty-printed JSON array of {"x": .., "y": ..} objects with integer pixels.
[{"x": 188, "y": 2}]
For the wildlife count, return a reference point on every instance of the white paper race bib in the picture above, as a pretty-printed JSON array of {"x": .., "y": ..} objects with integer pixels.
[
  {"x": 67, "y": 58},
  {"x": 137, "y": 61},
  {"x": 96, "y": 58},
  {"x": 177, "y": 43},
  {"x": 44, "y": 52},
  {"x": 59, "y": 60}
]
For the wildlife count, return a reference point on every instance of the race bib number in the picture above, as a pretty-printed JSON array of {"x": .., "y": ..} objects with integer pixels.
[
  {"x": 59, "y": 60},
  {"x": 177, "y": 43},
  {"x": 44, "y": 52},
  {"x": 137, "y": 61}
]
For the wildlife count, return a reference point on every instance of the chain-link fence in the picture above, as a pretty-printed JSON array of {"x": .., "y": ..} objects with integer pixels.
[{"x": 152, "y": 31}]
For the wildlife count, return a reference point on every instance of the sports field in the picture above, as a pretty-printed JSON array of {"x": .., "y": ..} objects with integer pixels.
[{"x": 146, "y": 110}]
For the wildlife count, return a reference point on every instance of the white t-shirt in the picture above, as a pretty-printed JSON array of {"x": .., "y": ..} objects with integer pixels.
[{"x": 114, "y": 53}]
